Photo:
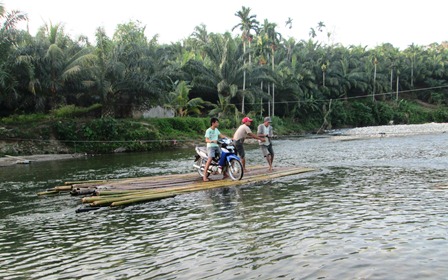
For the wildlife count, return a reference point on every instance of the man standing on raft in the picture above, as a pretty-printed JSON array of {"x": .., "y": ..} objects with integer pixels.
[
  {"x": 265, "y": 130},
  {"x": 240, "y": 135}
]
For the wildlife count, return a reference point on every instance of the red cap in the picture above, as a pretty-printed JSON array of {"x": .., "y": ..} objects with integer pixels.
[{"x": 246, "y": 119}]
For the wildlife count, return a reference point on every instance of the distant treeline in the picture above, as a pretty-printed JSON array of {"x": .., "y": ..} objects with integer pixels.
[{"x": 257, "y": 73}]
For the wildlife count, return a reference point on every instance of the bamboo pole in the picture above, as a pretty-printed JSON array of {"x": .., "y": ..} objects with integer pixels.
[
  {"x": 115, "y": 192},
  {"x": 85, "y": 182},
  {"x": 127, "y": 191},
  {"x": 150, "y": 197},
  {"x": 110, "y": 199},
  {"x": 63, "y": 188},
  {"x": 141, "y": 199},
  {"x": 90, "y": 199},
  {"x": 49, "y": 192}
]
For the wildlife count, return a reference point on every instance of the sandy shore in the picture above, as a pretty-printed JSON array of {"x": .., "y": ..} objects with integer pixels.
[{"x": 12, "y": 160}]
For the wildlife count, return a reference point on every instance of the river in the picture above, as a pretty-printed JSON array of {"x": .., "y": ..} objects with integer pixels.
[{"x": 373, "y": 209}]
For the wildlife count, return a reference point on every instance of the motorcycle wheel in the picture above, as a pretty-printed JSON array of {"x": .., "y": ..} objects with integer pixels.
[
  {"x": 201, "y": 162},
  {"x": 235, "y": 169}
]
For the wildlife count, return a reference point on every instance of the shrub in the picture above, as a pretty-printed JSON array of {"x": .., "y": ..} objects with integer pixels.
[
  {"x": 440, "y": 116},
  {"x": 362, "y": 114},
  {"x": 339, "y": 115},
  {"x": 68, "y": 111},
  {"x": 24, "y": 118},
  {"x": 383, "y": 113},
  {"x": 66, "y": 130},
  {"x": 102, "y": 129}
]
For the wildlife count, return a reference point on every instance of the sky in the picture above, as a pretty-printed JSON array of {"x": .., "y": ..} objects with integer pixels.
[{"x": 351, "y": 22}]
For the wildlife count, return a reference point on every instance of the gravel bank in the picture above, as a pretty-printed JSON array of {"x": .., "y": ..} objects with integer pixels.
[
  {"x": 12, "y": 160},
  {"x": 391, "y": 131}
]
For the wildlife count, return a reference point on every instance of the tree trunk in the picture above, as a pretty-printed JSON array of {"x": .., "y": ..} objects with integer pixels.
[
  {"x": 374, "y": 83},
  {"x": 269, "y": 102},
  {"x": 325, "y": 124},
  {"x": 273, "y": 85},
  {"x": 261, "y": 100},
  {"x": 244, "y": 79}
]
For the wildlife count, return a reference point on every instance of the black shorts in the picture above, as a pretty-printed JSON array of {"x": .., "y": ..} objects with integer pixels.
[{"x": 240, "y": 148}]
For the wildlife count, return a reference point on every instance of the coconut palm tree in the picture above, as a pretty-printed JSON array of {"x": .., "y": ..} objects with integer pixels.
[
  {"x": 8, "y": 23},
  {"x": 179, "y": 101},
  {"x": 289, "y": 45},
  {"x": 288, "y": 23},
  {"x": 8, "y": 39},
  {"x": 273, "y": 37},
  {"x": 224, "y": 107},
  {"x": 248, "y": 23},
  {"x": 198, "y": 39},
  {"x": 345, "y": 75},
  {"x": 130, "y": 72},
  {"x": 58, "y": 65},
  {"x": 221, "y": 71},
  {"x": 320, "y": 26},
  {"x": 415, "y": 56}
]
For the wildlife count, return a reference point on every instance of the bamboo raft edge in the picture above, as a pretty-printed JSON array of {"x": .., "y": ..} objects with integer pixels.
[{"x": 126, "y": 191}]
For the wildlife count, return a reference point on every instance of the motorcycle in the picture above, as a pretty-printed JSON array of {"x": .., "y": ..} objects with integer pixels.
[{"x": 229, "y": 161}]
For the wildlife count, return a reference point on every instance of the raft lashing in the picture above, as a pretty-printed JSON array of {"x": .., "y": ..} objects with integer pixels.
[{"x": 122, "y": 192}]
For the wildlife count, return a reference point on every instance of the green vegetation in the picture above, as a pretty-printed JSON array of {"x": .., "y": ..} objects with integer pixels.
[
  {"x": 73, "y": 111},
  {"x": 28, "y": 134},
  {"x": 54, "y": 87}
]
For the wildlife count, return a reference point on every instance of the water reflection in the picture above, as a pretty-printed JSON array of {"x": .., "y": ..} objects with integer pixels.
[{"x": 372, "y": 211}]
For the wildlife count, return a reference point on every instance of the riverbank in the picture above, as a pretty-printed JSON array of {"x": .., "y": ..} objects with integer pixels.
[
  {"x": 348, "y": 134},
  {"x": 12, "y": 160},
  {"x": 391, "y": 131}
]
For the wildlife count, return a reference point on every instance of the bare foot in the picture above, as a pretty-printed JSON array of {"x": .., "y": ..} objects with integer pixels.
[
  {"x": 225, "y": 176},
  {"x": 206, "y": 180}
]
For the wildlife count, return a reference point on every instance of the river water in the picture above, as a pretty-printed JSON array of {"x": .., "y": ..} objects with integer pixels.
[{"x": 373, "y": 209}]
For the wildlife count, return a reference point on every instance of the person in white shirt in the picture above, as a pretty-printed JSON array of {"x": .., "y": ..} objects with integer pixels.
[
  {"x": 240, "y": 135},
  {"x": 265, "y": 130}
]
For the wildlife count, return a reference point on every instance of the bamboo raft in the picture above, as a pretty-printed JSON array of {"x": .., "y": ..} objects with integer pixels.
[{"x": 121, "y": 192}]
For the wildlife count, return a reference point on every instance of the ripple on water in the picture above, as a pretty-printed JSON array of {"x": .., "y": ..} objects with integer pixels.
[{"x": 371, "y": 212}]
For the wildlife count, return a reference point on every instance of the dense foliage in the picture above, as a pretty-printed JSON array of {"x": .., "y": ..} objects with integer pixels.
[
  {"x": 60, "y": 132},
  {"x": 51, "y": 134},
  {"x": 258, "y": 73}
]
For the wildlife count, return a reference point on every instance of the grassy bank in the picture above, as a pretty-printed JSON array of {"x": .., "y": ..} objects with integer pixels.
[
  {"x": 60, "y": 134},
  {"x": 38, "y": 134}
]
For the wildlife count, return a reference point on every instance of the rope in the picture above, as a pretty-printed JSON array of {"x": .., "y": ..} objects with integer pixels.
[
  {"x": 95, "y": 141},
  {"x": 355, "y": 97}
]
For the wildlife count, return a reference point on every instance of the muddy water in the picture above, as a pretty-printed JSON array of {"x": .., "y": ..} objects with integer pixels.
[{"x": 374, "y": 209}]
